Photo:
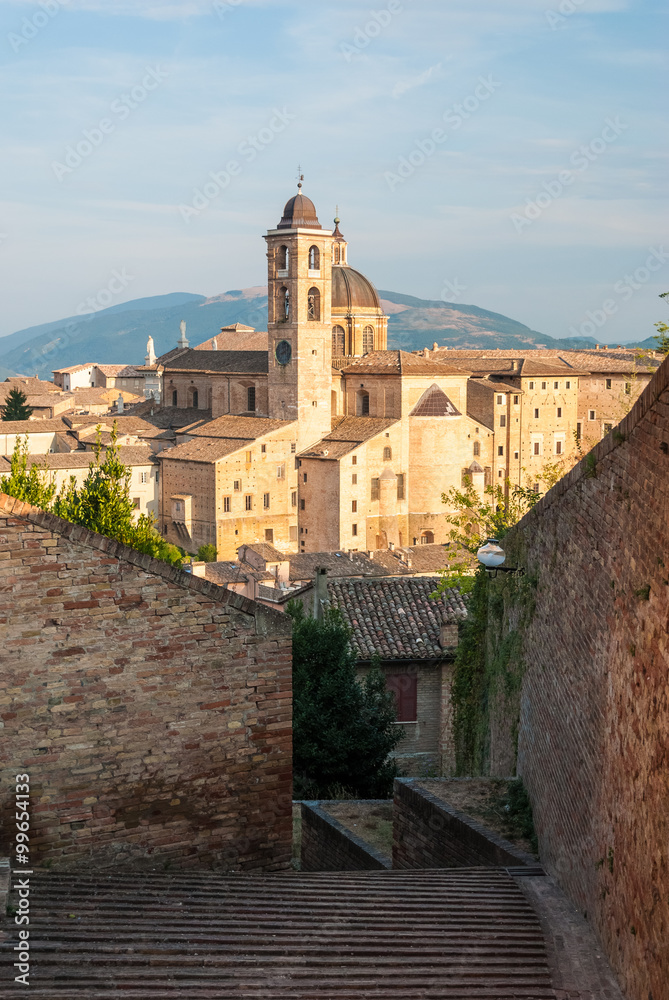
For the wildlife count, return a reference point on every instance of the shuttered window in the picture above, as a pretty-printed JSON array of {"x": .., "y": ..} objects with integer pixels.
[{"x": 404, "y": 687}]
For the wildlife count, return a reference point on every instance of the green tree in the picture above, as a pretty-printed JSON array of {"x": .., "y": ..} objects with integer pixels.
[
  {"x": 343, "y": 730},
  {"x": 207, "y": 553},
  {"x": 27, "y": 484},
  {"x": 663, "y": 333},
  {"x": 16, "y": 406}
]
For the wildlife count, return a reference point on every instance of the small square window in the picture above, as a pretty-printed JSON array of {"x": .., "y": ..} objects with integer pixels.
[
  {"x": 558, "y": 447},
  {"x": 354, "y": 460},
  {"x": 608, "y": 383},
  {"x": 592, "y": 415},
  {"x": 556, "y": 385},
  {"x": 143, "y": 477},
  {"x": 543, "y": 385},
  {"x": 314, "y": 402},
  {"x": 227, "y": 503},
  {"x": 269, "y": 535},
  {"x": 502, "y": 420},
  {"x": 500, "y": 449},
  {"x": 568, "y": 385},
  {"x": 537, "y": 448},
  {"x": 531, "y": 385},
  {"x": 559, "y": 411},
  {"x": 500, "y": 400},
  {"x": 304, "y": 477},
  {"x": 354, "y": 529},
  {"x": 516, "y": 400},
  {"x": 536, "y": 413},
  {"x": 515, "y": 454},
  {"x": 237, "y": 485},
  {"x": 302, "y": 504}
]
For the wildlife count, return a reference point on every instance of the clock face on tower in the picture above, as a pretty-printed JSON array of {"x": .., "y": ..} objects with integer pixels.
[{"x": 283, "y": 352}]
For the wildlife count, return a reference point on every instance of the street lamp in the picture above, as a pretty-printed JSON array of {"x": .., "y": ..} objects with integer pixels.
[{"x": 492, "y": 555}]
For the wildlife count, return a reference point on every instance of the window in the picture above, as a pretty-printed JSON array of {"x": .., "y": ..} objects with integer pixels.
[
  {"x": 263, "y": 449},
  {"x": 314, "y": 402},
  {"x": 177, "y": 507},
  {"x": 559, "y": 411},
  {"x": 135, "y": 503},
  {"x": 354, "y": 529},
  {"x": 302, "y": 504},
  {"x": 251, "y": 398},
  {"x": 293, "y": 447},
  {"x": 249, "y": 457},
  {"x": 175, "y": 398},
  {"x": 292, "y": 531},
  {"x": 313, "y": 305},
  {"x": 283, "y": 305},
  {"x": 543, "y": 385},
  {"x": 537, "y": 448},
  {"x": 237, "y": 485},
  {"x": 338, "y": 342},
  {"x": 354, "y": 460},
  {"x": 501, "y": 473},
  {"x": 628, "y": 388},
  {"x": 375, "y": 489},
  {"x": 608, "y": 383},
  {"x": 500, "y": 449},
  {"x": 592, "y": 415},
  {"x": 194, "y": 399},
  {"x": 502, "y": 420},
  {"x": 362, "y": 403},
  {"x": 281, "y": 472},
  {"x": 477, "y": 448},
  {"x": 227, "y": 504},
  {"x": 500, "y": 400},
  {"x": 293, "y": 498},
  {"x": 568, "y": 385},
  {"x": 556, "y": 385},
  {"x": 143, "y": 477},
  {"x": 269, "y": 535},
  {"x": 368, "y": 340},
  {"x": 354, "y": 506},
  {"x": 578, "y": 431},
  {"x": 354, "y": 479},
  {"x": 531, "y": 385},
  {"x": 283, "y": 258},
  {"x": 248, "y": 502},
  {"x": 558, "y": 447},
  {"x": 304, "y": 477},
  {"x": 405, "y": 689},
  {"x": 157, "y": 476},
  {"x": 314, "y": 259},
  {"x": 516, "y": 400},
  {"x": 387, "y": 454},
  {"x": 400, "y": 486},
  {"x": 265, "y": 501},
  {"x": 337, "y": 254},
  {"x": 427, "y": 538},
  {"x": 515, "y": 454},
  {"x": 536, "y": 413},
  {"x": 608, "y": 428}
]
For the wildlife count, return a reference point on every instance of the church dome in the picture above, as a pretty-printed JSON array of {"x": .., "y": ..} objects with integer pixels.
[
  {"x": 300, "y": 212},
  {"x": 352, "y": 291}
]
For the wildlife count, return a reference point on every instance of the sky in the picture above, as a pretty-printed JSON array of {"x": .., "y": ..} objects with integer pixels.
[{"x": 509, "y": 154}]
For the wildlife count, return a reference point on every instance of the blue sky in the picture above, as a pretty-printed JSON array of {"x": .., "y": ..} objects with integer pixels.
[{"x": 541, "y": 191}]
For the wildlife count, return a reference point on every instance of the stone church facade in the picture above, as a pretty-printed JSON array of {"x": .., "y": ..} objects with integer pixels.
[{"x": 327, "y": 440}]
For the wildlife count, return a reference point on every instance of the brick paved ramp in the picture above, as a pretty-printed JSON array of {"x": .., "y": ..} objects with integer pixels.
[{"x": 468, "y": 934}]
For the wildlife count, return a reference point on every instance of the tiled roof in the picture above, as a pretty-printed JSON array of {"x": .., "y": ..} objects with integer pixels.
[
  {"x": 202, "y": 449},
  {"x": 601, "y": 362},
  {"x": 82, "y": 459},
  {"x": 110, "y": 369},
  {"x": 44, "y": 400},
  {"x": 74, "y": 368},
  {"x": 303, "y": 565},
  {"x": 27, "y": 384},
  {"x": 402, "y": 363},
  {"x": 266, "y": 552},
  {"x": 33, "y": 426},
  {"x": 347, "y": 434},
  {"x": 168, "y": 416},
  {"x": 130, "y": 424},
  {"x": 223, "y": 573},
  {"x": 495, "y": 384},
  {"x": 237, "y": 362},
  {"x": 247, "y": 428},
  {"x": 434, "y": 403},
  {"x": 395, "y": 619},
  {"x": 236, "y": 338}
]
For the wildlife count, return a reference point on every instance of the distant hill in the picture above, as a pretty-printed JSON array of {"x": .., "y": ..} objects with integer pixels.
[{"x": 118, "y": 334}]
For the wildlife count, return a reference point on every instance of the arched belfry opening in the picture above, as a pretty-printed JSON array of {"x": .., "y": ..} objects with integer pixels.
[{"x": 313, "y": 305}]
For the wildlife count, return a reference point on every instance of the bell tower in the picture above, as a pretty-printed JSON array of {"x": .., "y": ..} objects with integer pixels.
[{"x": 299, "y": 325}]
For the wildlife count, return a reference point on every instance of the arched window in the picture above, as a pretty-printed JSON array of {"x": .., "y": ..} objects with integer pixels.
[
  {"x": 367, "y": 340},
  {"x": 194, "y": 398},
  {"x": 362, "y": 403},
  {"x": 338, "y": 342},
  {"x": 175, "y": 398},
  {"x": 337, "y": 254},
  {"x": 313, "y": 305},
  {"x": 427, "y": 538},
  {"x": 314, "y": 259},
  {"x": 283, "y": 258},
  {"x": 387, "y": 454},
  {"x": 251, "y": 398},
  {"x": 477, "y": 448},
  {"x": 283, "y": 305},
  {"x": 333, "y": 402}
]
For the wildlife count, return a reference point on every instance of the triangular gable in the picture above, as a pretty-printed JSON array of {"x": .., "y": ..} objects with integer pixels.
[{"x": 434, "y": 403}]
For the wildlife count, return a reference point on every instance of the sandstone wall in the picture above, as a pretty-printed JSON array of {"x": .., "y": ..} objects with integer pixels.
[
  {"x": 594, "y": 719},
  {"x": 151, "y": 709}
]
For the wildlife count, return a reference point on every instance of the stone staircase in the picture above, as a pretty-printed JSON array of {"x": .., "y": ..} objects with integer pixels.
[{"x": 465, "y": 934}]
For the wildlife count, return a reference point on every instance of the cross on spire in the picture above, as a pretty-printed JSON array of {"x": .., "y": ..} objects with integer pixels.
[{"x": 300, "y": 178}]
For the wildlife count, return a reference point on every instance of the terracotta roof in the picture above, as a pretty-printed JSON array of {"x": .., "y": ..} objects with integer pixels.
[
  {"x": 55, "y": 424},
  {"x": 395, "y": 619},
  {"x": 265, "y": 551},
  {"x": 434, "y": 403},
  {"x": 110, "y": 369},
  {"x": 236, "y": 338},
  {"x": 74, "y": 368},
  {"x": 402, "y": 363},
  {"x": 223, "y": 573},
  {"x": 299, "y": 211},
  {"x": 621, "y": 362},
  {"x": 235, "y": 427},
  {"x": 82, "y": 459},
  {"x": 348, "y": 433},
  {"x": 28, "y": 385},
  {"x": 495, "y": 384},
  {"x": 203, "y": 449},
  {"x": 303, "y": 565},
  {"x": 352, "y": 291},
  {"x": 168, "y": 416},
  {"x": 45, "y": 400},
  {"x": 129, "y": 424},
  {"x": 234, "y": 362}
]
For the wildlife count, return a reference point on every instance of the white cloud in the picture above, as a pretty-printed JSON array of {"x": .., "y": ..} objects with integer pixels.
[{"x": 410, "y": 83}]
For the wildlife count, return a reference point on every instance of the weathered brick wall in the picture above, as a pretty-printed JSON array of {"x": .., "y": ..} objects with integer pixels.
[
  {"x": 328, "y": 847},
  {"x": 428, "y": 833},
  {"x": 594, "y": 720},
  {"x": 151, "y": 709}
]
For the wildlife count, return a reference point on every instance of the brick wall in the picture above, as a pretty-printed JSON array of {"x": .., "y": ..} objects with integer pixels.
[
  {"x": 151, "y": 709},
  {"x": 328, "y": 847},
  {"x": 594, "y": 719},
  {"x": 428, "y": 833}
]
